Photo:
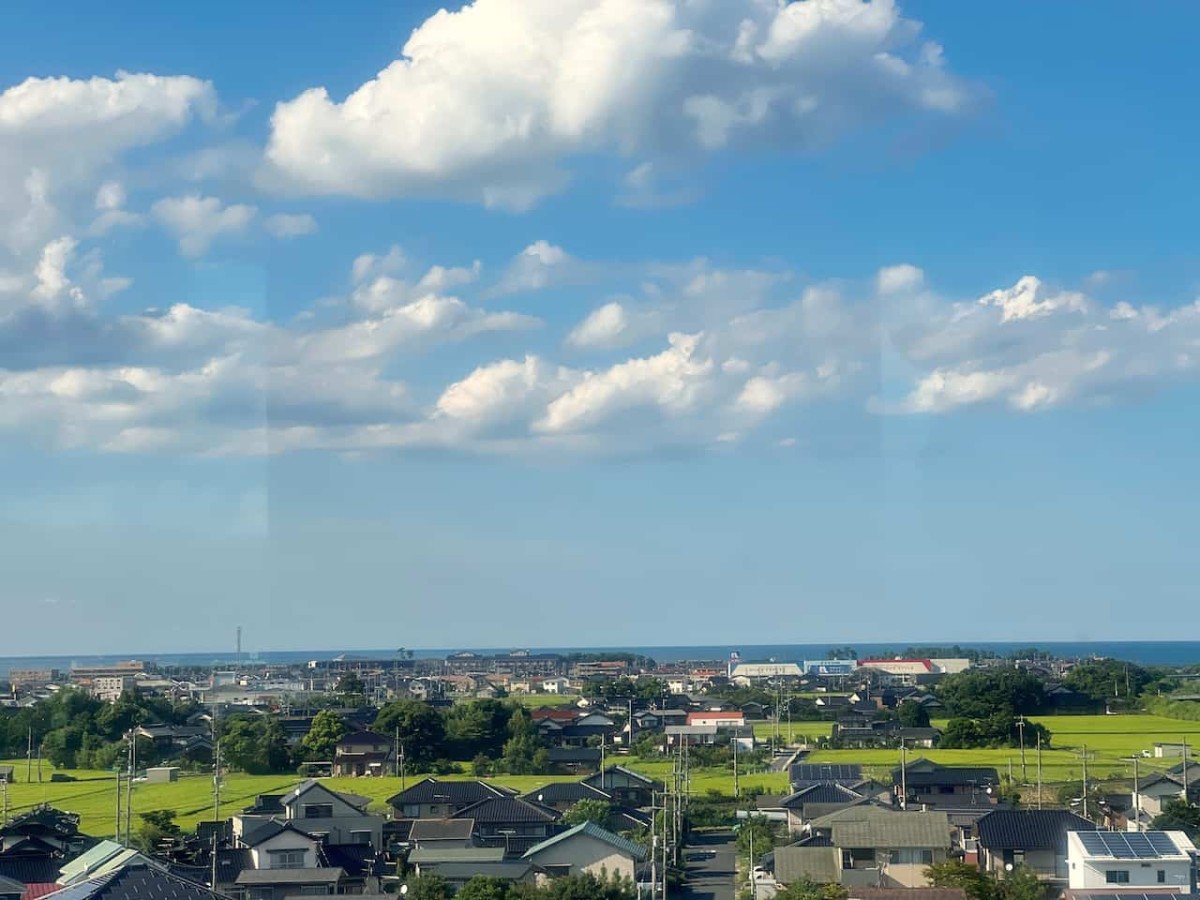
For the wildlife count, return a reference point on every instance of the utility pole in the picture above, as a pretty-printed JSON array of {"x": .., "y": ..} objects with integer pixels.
[
  {"x": 1039, "y": 769},
  {"x": 1137, "y": 797},
  {"x": 1021, "y": 729},
  {"x": 396, "y": 760},
  {"x": 1085, "y": 787},
  {"x": 1185, "y": 771},
  {"x": 4, "y": 788},
  {"x": 736, "y": 790},
  {"x": 750, "y": 865},
  {"x": 117, "y": 835},
  {"x": 29, "y": 759},
  {"x": 129, "y": 786},
  {"x": 903, "y": 775}
]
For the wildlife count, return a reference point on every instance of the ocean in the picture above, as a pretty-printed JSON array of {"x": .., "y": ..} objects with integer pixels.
[{"x": 1148, "y": 653}]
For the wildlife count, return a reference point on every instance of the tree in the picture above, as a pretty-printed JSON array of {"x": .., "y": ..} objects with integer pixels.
[
  {"x": 1021, "y": 883},
  {"x": 155, "y": 826},
  {"x": 351, "y": 683},
  {"x": 255, "y": 744},
  {"x": 983, "y": 693},
  {"x": 422, "y": 730},
  {"x": 484, "y": 887},
  {"x": 323, "y": 735},
  {"x": 480, "y": 726},
  {"x": 757, "y": 831},
  {"x": 954, "y": 873},
  {"x": 1178, "y": 815},
  {"x": 586, "y": 886},
  {"x": 427, "y": 887},
  {"x": 522, "y": 745},
  {"x": 913, "y": 714},
  {"x": 596, "y": 811},
  {"x": 812, "y": 890},
  {"x": 1103, "y": 679}
]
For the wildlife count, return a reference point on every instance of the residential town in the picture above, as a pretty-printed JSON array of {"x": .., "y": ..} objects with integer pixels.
[{"x": 527, "y": 772}]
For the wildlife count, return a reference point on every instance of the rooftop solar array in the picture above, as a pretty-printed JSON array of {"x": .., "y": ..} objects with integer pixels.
[
  {"x": 825, "y": 772},
  {"x": 1129, "y": 845}
]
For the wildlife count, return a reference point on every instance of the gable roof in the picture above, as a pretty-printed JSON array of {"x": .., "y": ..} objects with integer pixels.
[
  {"x": 923, "y": 773},
  {"x": 566, "y": 792},
  {"x": 592, "y": 830},
  {"x": 822, "y": 792},
  {"x": 824, "y": 772},
  {"x": 507, "y": 809},
  {"x": 871, "y": 826},
  {"x": 426, "y": 855},
  {"x": 11, "y": 886},
  {"x": 30, "y": 869},
  {"x": 1029, "y": 829},
  {"x": 460, "y": 793},
  {"x": 358, "y": 801},
  {"x": 136, "y": 883},
  {"x": 364, "y": 737},
  {"x": 441, "y": 830},
  {"x": 621, "y": 770},
  {"x": 271, "y": 829}
]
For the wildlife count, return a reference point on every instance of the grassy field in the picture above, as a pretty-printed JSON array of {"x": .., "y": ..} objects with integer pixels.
[
  {"x": 535, "y": 700},
  {"x": 1110, "y": 740}
]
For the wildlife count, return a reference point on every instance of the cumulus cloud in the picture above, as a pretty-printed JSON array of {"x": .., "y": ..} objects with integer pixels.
[
  {"x": 539, "y": 266},
  {"x": 759, "y": 348},
  {"x": 491, "y": 103},
  {"x": 56, "y": 134},
  {"x": 197, "y": 221}
]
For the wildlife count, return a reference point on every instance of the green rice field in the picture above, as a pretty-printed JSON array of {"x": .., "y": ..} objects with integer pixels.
[{"x": 1110, "y": 740}]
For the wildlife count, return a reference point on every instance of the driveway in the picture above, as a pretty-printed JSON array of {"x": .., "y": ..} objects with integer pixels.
[{"x": 711, "y": 866}]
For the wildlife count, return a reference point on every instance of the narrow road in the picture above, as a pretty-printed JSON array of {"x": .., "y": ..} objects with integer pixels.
[{"x": 711, "y": 866}]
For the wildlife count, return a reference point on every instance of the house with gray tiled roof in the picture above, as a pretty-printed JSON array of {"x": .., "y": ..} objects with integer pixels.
[{"x": 588, "y": 848}]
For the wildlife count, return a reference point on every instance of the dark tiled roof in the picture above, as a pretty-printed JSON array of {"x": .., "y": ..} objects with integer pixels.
[
  {"x": 231, "y": 862},
  {"x": 30, "y": 870},
  {"x": 949, "y": 775},
  {"x": 43, "y": 820},
  {"x": 824, "y": 792},
  {"x": 583, "y": 755},
  {"x": 364, "y": 737},
  {"x": 266, "y": 804},
  {"x": 357, "y": 860},
  {"x": 566, "y": 792},
  {"x": 136, "y": 883},
  {"x": 460, "y": 793},
  {"x": 291, "y": 876},
  {"x": 1029, "y": 829},
  {"x": 441, "y": 830},
  {"x": 503, "y": 810}
]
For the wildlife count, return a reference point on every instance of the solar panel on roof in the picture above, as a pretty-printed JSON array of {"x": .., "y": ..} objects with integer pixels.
[
  {"x": 1093, "y": 842},
  {"x": 1163, "y": 843}
]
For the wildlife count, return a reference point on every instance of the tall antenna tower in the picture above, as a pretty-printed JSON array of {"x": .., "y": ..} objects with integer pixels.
[{"x": 239, "y": 648}]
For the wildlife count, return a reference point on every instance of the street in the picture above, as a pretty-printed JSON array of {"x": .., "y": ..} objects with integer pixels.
[{"x": 711, "y": 873}]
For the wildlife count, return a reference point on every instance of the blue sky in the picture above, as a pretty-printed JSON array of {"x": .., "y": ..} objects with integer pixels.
[{"x": 596, "y": 323}]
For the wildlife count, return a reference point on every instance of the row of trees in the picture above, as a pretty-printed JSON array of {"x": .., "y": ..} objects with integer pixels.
[
  {"x": 499, "y": 736},
  {"x": 72, "y": 729}
]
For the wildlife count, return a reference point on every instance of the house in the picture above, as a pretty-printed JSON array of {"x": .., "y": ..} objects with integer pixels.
[
  {"x": 432, "y": 798},
  {"x": 1034, "y": 838},
  {"x": 103, "y": 858},
  {"x": 574, "y": 760},
  {"x": 733, "y": 718},
  {"x": 556, "y": 686},
  {"x": 1131, "y": 862},
  {"x": 43, "y": 832},
  {"x": 1167, "y": 749},
  {"x": 866, "y": 846},
  {"x": 626, "y": 787},
  {"x": 930, "y": 784},
  {"x": 1155, "y": 791},
  {"x": 588, "y": 848},
  {"x": 363, "y": 753},
  {"x": 511, "y": 823},
  {"x": 332, "y": 816},
  {"x": 815, "y": 801}
]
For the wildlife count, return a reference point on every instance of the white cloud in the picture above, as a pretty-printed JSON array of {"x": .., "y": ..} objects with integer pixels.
[
  {"x": 197, "y": 221},
  {"x": 899, "y": 279},
  {"x": 1029, "y": 298},
  {"x": 539, "y": 266},
  {"x": 491, "y": 102},
  {"x": 286, "y": 225},
  {"x": 57, "y": 134}
]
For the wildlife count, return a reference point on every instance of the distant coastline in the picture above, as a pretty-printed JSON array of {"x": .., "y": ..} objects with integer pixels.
[{"x": 1149, "y": 653}]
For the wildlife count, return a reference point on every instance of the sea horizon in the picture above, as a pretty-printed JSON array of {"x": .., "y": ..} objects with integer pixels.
[{"x": 1149, "y": 653}]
